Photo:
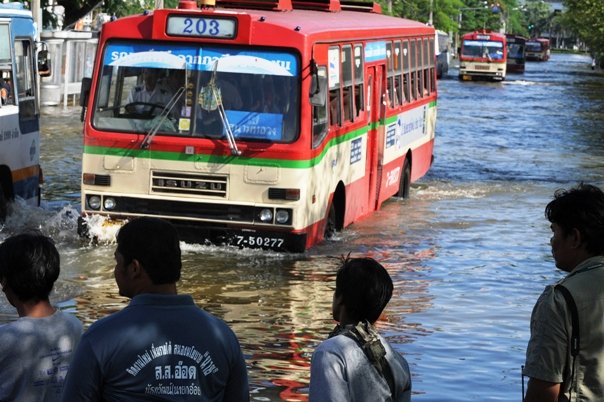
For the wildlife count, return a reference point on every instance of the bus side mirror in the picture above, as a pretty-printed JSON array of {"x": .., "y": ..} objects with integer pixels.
[
  {"x": 84, "y": 94},
  {"x": 44, "y": 67}
]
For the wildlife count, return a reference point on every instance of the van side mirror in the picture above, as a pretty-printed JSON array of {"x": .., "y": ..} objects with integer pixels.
[
  {"x": 44, "y": 65},
  {"x": 84, "y": 94}
]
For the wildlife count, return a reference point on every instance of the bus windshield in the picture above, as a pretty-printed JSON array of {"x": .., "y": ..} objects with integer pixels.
[
  {"x": 534, "y": 46},
  {"x": 492, "y": 50},
  {"x": 198, "y": 90},
  {"x": 515, "y": 50}
]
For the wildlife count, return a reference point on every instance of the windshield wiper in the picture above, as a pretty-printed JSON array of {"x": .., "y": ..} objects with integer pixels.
[
  {"x": 162, "y": 117},
  {"x": 217, "y": 104}
]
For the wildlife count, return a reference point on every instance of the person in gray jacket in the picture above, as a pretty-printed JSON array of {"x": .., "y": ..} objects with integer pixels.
[
  {"x": 565, "y": 353},
  {"x": 356, "y": 363}
]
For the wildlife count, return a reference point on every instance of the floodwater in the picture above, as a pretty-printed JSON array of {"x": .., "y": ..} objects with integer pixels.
[{"x": 468, "y": 253}]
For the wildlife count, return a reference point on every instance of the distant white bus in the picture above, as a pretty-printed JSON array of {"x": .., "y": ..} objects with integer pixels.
[
  {"x": 20, "y": 172},
  {"x": 443, "y": 43}
]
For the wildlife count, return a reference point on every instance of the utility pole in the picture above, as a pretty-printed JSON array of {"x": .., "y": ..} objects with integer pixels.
[
  {"x": 159, "y": 4},
  {"x": 36, "y": 12}
]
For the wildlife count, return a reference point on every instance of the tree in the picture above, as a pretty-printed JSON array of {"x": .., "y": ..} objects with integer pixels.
[{"x": 586, "y": 19}]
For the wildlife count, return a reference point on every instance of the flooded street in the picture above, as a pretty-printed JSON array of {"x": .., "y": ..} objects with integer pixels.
[{"x": 468, "y": 252}]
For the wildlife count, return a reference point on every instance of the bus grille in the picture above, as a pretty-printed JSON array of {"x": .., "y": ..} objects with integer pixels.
[{"x": 182, "y": 183}]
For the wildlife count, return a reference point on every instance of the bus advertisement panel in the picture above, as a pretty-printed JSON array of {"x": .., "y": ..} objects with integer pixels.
[
  {"x": 537, "y": 49},
  {"x": 483, "y": 56},
  {"x": 516, "y": 53},
  {"x": 245, "y": 132},
  {"x": 20, "y": 172}
]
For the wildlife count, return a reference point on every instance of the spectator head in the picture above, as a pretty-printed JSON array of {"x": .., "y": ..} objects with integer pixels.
[
  {"x": 29, "y": 266},
  {"x": 363, "y": 288},
  {"x": 581, "y": 208},
  {"x": 155, "y": 244}
]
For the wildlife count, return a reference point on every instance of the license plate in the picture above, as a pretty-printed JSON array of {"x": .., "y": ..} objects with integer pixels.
[{"x": 258, "y": 241}]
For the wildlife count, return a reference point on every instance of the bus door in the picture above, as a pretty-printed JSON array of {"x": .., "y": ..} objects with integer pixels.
[{"x": 375, "y": 136}]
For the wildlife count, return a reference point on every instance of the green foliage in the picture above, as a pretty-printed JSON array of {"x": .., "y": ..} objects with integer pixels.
[{"x": 586, "y": 19}]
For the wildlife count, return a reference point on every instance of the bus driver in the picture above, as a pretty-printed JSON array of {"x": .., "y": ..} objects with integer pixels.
[{"x": 147, "y": 93}]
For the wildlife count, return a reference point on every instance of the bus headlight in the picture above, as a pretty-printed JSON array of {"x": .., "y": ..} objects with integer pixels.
[
  {"x": 283, "y": 216},
  {"x": 94, "y": 202},
  {"x": 109, "y": 203},
  {"x": 265, "y": 215}
]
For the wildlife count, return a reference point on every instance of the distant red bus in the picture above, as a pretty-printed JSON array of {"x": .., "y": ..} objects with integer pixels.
[
  {"x": 537, "y": 49},
  {"x": 274, "y": 123},
  {"x": 483, "y": 56},
  {"x": 516, "y": 53}
]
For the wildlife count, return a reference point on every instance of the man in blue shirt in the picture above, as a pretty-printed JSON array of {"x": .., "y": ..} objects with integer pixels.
[{"x": 161, "y": 347}]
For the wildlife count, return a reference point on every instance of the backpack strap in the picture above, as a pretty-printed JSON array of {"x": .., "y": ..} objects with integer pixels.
[
  {"x": 575, "y": 338},
  {"x": 366, "y": 338}
]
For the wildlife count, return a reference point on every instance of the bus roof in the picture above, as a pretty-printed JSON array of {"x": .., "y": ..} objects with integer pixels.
[
  {"x": 483, "y": 34},
  {"x": 307, "y": 21}
]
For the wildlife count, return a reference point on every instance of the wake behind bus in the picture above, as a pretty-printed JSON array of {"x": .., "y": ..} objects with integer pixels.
[
  {"x": 257, "y": 124},
  {"x": 483, "y": 56},
  {"x": 20, "y": 171}
]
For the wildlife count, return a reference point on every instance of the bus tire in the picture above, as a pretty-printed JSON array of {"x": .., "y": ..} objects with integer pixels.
[
  {"x": 405, "y": 183},
  {"x": 330, "y": 223},
  {"x": 3, "y": 206}
]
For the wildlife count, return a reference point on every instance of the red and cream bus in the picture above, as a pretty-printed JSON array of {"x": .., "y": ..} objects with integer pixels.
[
  {"x": 20, "y": 172},
  {"x": 271, "y": 124},
  {"x": 483, "y": 56},
  {"x": 537, "y": 49}
]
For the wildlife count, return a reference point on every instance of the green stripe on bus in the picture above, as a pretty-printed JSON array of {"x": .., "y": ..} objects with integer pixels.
[{"x": 227, "y": 159}]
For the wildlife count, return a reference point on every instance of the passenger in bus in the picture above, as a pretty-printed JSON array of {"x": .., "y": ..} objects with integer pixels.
[
  {"x": 149, "y": 93},
  {"x": 356, "y": 363},
  {"x": 172, "y": 84},
  {"x": 37, "y": 348},
  {"x": 5, "y": 91},
  {"x": 161, "y": 346}
]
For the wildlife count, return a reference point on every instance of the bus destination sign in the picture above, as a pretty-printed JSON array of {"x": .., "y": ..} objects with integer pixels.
[{"x": 207, "y": 27}]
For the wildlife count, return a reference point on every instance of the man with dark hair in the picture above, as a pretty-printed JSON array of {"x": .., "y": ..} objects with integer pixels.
[
  {"x": 36, "y": 349},
  {"x": 356, "y": 363},
  {"x": 565, "y": 354},
  {"x": 161, "y": 347}
]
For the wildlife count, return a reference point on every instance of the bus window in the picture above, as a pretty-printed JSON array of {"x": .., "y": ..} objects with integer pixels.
[
  {"x": 398, "y": 84},
  {"x": 413, "y": 69},
  {"x": 427, "y": 64},
  {"x": 334, "y": 87},
  {"x": 25, "y": 83},
  {"x": 319, "y": 109},
  {"x": 432, "y": 60},
  {"x": 406, "y": 74},
  {"x": 359, "y": 70},
  {"x": 347, "y": 83},
  {"x": 391, "y": 95}
]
